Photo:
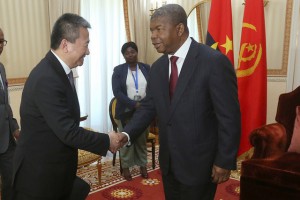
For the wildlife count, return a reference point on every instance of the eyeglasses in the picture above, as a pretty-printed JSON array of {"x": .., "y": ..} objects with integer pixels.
[{"x": 3, "y": 42}]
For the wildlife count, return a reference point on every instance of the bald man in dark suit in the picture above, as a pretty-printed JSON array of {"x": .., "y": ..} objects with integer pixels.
[{"x": 9, "y": 131}]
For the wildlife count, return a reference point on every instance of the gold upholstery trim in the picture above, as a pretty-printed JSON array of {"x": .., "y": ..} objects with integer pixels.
[
  {"x": 236, "y": 174},
  {"x": 86, "y": 158},
  {"x": 151, "y": 136}
]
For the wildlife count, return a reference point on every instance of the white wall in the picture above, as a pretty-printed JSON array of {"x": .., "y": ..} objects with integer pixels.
[{"x": 15, "y": 93}]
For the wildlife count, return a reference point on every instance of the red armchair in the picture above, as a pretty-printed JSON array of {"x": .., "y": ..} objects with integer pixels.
[{"x": 273, "y": 172}]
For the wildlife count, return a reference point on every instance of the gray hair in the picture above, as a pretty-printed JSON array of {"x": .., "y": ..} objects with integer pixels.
[
  {"x": 174, "y": 12},
  {"x": 67, "y": 27}
]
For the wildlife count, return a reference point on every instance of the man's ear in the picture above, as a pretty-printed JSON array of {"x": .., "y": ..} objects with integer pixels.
[
  {"x": 64, "y": 45},
  {"x": 180, "y": 29}
]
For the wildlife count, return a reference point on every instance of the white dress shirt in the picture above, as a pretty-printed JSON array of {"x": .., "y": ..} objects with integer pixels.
[{"x": 181, "y": 54}]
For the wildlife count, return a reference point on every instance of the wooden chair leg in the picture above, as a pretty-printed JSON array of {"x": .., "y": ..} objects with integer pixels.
[
  {"x": 121, "y": 170},
  {"x": 99, "y": 167},
  {"x": 153, "y": 154},
  {"x": 114, "y": 159}
]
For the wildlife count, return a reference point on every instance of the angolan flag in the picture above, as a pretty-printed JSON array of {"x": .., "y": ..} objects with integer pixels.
[
  {"x": 219, "y": 31},
  {"x": 252, "y": 71}
]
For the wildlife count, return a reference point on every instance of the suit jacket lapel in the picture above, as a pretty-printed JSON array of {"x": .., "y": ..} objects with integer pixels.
[
  {"x": 143, "y": 70},
  {"x": 3, "y": 88},
  {"x": 3, "y": 78},
  {"x": 164, "y": 73},
  {"x": 59, "y": 69},
  {"x": 185, "y": 75},
  {"x": 62, "y": 75},
  {"x": 124, "y": 75}
]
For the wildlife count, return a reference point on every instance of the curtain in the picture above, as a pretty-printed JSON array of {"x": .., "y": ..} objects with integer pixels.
[
  {"x": 293, "y": 74},
  {"x": 25, "y": 27},
  {"x": 58, "y": 7},
  {"x": 107, "y": 36},
  {"x": 139, "y": 24}
]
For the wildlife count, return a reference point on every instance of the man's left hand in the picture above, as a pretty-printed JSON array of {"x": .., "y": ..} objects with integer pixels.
[
  {"x": 219, "y": 175},
  {"x": 16, "y": 134}
]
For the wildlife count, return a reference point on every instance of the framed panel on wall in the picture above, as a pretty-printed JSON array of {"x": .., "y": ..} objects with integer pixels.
[{"x": 26, "y": 28}]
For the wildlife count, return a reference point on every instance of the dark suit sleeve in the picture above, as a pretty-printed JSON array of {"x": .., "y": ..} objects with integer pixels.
[
  {"x": 54, "y": 101},
  {"x": 223, "y": 92},
  {"x": 12, "y": 121},
  {"x": 142, "y": 116},
  {"x": 145, "y": 68},
  {"x": 118, "y": 87}
]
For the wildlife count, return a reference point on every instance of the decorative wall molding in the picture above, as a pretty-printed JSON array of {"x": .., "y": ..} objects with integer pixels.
[
  {"x": 276, "y": 79},
  {"x": 15, "y": 88},
  {"x": 16, "y": 81},
  {"x": 287, "y": 36}
]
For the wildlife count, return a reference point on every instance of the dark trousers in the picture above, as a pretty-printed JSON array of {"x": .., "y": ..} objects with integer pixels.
[
  {"x": 79, "y": 191},
  {"x": 6, "y": 168},
  {"x": 174, "y": 190}
]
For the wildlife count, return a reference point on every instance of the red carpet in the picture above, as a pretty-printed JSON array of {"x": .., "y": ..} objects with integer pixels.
[
  {"x": 152, "y": 188},
  {"x": 138, "y": 188},
  {"x": 230, "y": 190},
  {"x": 114, "y": 187}
]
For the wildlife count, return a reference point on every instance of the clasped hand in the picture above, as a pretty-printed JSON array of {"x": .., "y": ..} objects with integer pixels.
[
  {"x": 117, "y": 140},
  {"x": 220, "y": 175}
]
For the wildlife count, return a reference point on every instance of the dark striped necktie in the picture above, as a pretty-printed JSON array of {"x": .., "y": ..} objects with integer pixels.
[
  {"x": 173, "y": 75},
  {"x": 71, "y": 79}
]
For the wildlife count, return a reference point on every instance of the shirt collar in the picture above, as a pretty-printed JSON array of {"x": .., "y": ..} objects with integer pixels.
[
  {"x": 183, "y": 50},
  {"x": 63, "y": 64}
]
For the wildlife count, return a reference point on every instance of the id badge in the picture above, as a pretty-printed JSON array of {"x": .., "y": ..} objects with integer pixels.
[{"x": 137, "y": 97}]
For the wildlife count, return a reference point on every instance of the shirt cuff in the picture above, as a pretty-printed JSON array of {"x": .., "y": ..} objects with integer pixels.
[{"x": 128, "y": 139}]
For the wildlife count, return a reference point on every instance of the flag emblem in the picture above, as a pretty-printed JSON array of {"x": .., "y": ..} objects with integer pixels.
[{"x": 250, "y": 53}]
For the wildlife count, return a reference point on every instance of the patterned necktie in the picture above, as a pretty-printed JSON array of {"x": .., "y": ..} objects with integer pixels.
[
  {"x": 173, "y": 76},
  {"x": 71, "y": 79},
  {"x": 2, "y": 94},
  {"x": 1, "y": 83}
]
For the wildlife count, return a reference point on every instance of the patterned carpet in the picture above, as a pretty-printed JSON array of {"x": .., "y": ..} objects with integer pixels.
[
  {"x": 110, "y": 174},
  {"x": 111, "y": 177},
  {"x": 138, "y": 188}
]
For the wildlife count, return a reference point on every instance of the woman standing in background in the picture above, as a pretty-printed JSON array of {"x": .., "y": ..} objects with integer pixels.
[{"x": 129, "y": 81}]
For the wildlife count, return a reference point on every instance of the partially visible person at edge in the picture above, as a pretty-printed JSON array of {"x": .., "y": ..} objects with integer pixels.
[
  {"x": 129, "y": 81},
  {"x": 9, "y": 132},
  {"x": 46, "y": 156},
  {"x": 199, "y": 124}
]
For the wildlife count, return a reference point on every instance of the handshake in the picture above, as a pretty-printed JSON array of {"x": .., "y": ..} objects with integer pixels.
[{"x": 117, "y": 141}]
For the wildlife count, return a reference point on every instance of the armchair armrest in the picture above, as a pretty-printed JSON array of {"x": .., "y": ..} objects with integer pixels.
[{"x": 269, "y": 141}]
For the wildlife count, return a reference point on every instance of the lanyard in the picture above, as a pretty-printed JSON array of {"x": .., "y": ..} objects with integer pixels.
[{"x": 135, "y": 79}]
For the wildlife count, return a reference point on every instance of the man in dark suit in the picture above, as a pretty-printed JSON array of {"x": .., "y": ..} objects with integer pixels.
[
  {"x": 9, "y": 130},
  {"x": 45, "y": 162},
  {"x": 199, "y": 120}
]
